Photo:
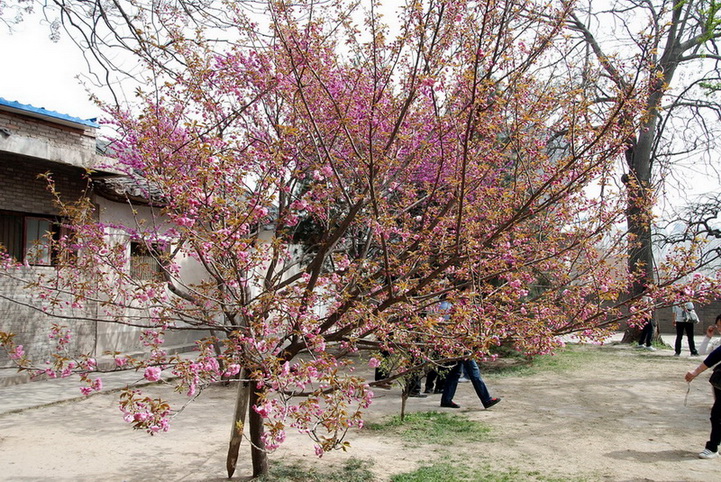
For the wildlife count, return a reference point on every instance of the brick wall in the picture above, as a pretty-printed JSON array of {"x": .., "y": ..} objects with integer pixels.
[
  {"x": 31, "y": 326},
  {"x": 707, "y": 314},
  {"x": 22, "y": 191},
  {"x": 55, "y": 134}
]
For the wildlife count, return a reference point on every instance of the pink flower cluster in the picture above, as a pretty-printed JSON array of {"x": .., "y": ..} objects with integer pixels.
[{"x": 95, "y": 386}]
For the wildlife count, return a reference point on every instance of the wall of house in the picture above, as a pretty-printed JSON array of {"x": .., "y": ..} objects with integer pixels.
[
  {"x": 41, "y": 139},
  {"x": 30, "y": 146},
  {"x": 707, "y": 314},
  {"x": 21, "y": 190},
  {"x": 24, "y": 317},
  {"x": 112, "y": 336}
]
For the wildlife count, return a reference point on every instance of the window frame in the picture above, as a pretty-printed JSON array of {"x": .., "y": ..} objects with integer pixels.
[{"x": 22, "y": 252}]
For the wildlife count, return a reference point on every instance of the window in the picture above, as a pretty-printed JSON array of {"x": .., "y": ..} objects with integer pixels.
[
  {"x": 29, "y": 238},
  {"x": 146, "y": 261},
  {"x": 38, "y": 241}
]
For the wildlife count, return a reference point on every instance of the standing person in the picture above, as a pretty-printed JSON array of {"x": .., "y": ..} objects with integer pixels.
[
  {"x": 474, "y": 373},
  {"x": 711, "y": 449},
  {"x": 647, "y": 336},
  {"x": 684, "y": 319}
]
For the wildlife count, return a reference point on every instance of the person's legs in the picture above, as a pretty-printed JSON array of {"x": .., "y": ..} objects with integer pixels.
[
  {"x": 474, "y": 374},
  {"x": 415, "y": 385},
  {"x": 715, "y": 437},
  {"x": 441, "y": 380},
  {"x": 646, "y": 334},
  {"x": 679, "y": 337},
  {"x": 449, "y": 389},
  {"x": 689, "y": 334},
  {"x": 431, "y": 377}
]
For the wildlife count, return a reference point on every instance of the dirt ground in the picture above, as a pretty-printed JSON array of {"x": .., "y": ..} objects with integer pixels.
[{"x": 619, "y": 418}]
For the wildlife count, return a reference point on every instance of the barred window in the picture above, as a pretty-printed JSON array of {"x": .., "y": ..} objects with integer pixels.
[{"x": 146, "y": 261}]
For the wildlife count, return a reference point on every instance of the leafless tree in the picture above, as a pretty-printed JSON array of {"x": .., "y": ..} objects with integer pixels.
[{"x": 670, "y": 47}]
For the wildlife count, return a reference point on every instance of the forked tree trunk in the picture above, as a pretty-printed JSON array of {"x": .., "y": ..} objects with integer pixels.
[
  {"x": 236, "y": 433},
  {"x": 247, "y": 397},
  {"x": 257, "y": 448}
]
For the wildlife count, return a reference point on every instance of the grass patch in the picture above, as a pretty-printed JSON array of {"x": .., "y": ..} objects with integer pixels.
[
  {"x": 353, "y": 470},
  {"x": 444, "y": 472},
  {"x": 433, "y": 427},
  {"x": 565, "y": 359}
]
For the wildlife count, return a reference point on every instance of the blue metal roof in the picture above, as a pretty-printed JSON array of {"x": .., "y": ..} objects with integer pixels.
[{"x": 52, "y": 115}]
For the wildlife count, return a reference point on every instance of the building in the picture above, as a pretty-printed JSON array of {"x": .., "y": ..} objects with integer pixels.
[{"x": 35, "y": 141}]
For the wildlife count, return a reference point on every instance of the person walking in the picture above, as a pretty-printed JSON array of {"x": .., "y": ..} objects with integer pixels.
[
  {"x": 474, "y": 373},
  {"x": 684, "y": 319},
  {"x": 711, "y": 449}
]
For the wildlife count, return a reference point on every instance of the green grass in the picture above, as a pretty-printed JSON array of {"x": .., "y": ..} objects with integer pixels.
[
  {"x": 445, "y": 472},
  {"x": 354, "y": 470},
  {"x": 432, "y": 427},
  {"x": 565, "y": 359}
]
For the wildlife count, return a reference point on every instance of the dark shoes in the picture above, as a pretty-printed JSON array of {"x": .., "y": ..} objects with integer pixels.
[
  {"x": 450, "y": 405},
  {"x": 418, "y": 395},
  {"x": 492, "y": 402}
]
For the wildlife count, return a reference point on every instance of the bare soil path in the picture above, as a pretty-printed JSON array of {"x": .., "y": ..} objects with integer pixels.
[{"x": 617, "y": 416}]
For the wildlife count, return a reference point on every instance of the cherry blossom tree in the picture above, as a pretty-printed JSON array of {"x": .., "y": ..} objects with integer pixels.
[{"x": 335, "y": 174}]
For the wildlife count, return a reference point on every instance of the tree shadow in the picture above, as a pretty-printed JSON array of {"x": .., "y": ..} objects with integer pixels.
[{"x": 653, "y": 456}]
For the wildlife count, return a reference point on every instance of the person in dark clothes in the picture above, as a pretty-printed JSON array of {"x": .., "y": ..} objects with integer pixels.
[{"x": 711, "y": 449}]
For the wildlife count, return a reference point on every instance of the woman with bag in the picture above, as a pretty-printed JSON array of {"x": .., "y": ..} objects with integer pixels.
[
  {"x": 711, "y": 449},
  {"x": 684, "y": 319}
]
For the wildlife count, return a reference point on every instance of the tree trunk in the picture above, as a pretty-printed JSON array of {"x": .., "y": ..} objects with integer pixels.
[
  {"x": 638, "y": 220},
  {"x": 236, "y": 433},
  {"x": 255, "y": 425}
]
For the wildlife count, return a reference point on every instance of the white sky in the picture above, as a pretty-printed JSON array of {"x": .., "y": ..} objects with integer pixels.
[{"x": 42, "y": 73}]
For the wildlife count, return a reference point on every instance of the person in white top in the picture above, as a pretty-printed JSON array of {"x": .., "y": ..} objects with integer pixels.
[
  {"x": 709, "y": 343},
  {"x": 684, "y": 319}
]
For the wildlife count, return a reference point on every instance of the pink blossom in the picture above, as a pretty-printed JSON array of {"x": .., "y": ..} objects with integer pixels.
[
  {"x": 97, "y": 384},
  {"x": 17, "y": 353},
  {"x": 185, "y": 221},
  {"x": 232, "y": 370},
  {"x": 374, "y": 363},
  {"x": 152, "y": 374},
  {"x": 264, "y": 409}
]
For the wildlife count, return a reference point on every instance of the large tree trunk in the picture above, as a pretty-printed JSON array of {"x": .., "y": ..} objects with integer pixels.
[
  {"x": 639, "y": 213},
  {"x": 640, "y": 259},
  {"x": 246, "y": 399}
]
